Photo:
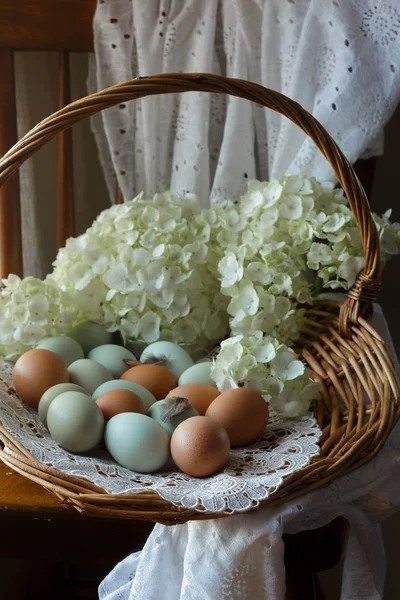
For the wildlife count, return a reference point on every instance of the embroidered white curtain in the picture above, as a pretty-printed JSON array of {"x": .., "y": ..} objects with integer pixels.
[{"x": 339, "y": 59}]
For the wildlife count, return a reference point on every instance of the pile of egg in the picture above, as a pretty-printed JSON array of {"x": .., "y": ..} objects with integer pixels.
[{"x": 88, "y": 389}]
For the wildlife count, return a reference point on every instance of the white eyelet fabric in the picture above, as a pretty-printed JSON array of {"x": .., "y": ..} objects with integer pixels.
[{"x": 339, "y": 59}]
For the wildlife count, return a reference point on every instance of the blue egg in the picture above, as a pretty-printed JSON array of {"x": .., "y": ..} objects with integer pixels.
[
  {"x": 198, "y": 373},
  {"x": 64, "y": 346},
  {"x": 112, "y": 357},
  {"x": 156, "y": 412},
  {"x": 177, "y": 360},
  {"x": 89, "y": 335},
  {"x": 137, "y": 442}
]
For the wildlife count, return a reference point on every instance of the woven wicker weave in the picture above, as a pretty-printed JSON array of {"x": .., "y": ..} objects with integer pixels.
[{"x": 359, "y": 404}]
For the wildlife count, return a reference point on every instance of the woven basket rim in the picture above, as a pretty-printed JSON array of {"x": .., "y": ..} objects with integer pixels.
[
  {"x": 334, "y": 460},
  {"x": 354, "y": 434}
]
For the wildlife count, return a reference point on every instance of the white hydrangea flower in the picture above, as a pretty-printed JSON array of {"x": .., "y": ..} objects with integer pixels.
[
  {"x": 333, "y": 223},
  {"x": 350, "y": 268},
  {"x": 274, "y": 371},
  {"x": 245, "y": 300},
  {"x": 7, "y": 332},
  {"x": 29, "y": 334},
  {"x": 149, "y": 327},
  {"x": 253, "y": 201},
  {"x": 285, "y": 365},
  {"x": 259, "y": 272},
  {"x": 152, "y": 260},
  {"x": 163, "y": 268},
  {"x": 230, "y": 269},
  {"x": 11, "y": 285},
  {"x": 317, "y": 255},
  {"x": 272, "y": 193},
  {"x": 291, "y": 207}
]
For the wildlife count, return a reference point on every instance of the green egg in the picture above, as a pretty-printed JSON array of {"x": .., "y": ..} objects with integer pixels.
[
  {"x": 64, "y": 346},
  {"x": 89, "y": 335},
  {"x": 156, "y": 412},
  {"x": 121, "y": 384},
  {"x": 198, "y": 373},
  {"x": 136, "y": 346},
  {"x": 89, "y": 374},
  {"x": 52, "y": 393},
  {"x": 112, "y": 357},
  {"x": 137, "y": 442},
  {"x": 75, "y": 422}
]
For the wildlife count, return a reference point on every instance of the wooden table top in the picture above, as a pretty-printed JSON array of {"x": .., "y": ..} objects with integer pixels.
[
  {"x": 17, "y": 493},
  {"x": 34, "y": 521}
]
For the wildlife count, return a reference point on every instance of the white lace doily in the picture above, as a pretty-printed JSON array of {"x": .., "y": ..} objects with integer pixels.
[
  {"x": 251, "y": 475},
  {"x": 339, "y": 59}
]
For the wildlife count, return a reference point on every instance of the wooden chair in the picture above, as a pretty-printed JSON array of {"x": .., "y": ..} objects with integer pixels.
[
  {"x": 37, "y": 528},
  {"x": 63, "y": 26}
]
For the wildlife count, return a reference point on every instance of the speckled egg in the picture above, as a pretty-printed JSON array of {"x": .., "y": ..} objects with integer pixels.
[{"x": 200, "y": 446}]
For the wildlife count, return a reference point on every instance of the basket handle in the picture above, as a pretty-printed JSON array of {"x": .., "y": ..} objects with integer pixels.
[{"x": 367, "y": 285}]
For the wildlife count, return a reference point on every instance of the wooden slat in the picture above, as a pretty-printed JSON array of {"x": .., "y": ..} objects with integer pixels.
[
  {"x": 10, "y": 212},
  {"x": 47, "y": 25},
  {"x": 119, "y": 199},
  {"x": 65, "y": 184}
]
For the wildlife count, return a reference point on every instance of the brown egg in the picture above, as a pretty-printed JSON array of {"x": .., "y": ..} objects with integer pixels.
[
  {"x": 242, "y": 412},
  {"x": 199, "y": 395},
  {"x": 119, "y": 401},
  {"x": 200, "y": 446},
  {"x": 158, "y": 380},
  {"x": 35, "y": 372}
]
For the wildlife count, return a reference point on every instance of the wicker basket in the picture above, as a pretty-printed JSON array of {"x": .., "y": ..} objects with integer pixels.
[{"x": 359, "y": 404}]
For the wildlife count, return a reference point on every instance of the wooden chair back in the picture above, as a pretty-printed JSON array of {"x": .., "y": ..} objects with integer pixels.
[{"x": 61, "y": 26}]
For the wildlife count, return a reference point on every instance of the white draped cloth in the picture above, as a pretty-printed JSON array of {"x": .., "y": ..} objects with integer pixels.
[{"x": 340, "y": 59}]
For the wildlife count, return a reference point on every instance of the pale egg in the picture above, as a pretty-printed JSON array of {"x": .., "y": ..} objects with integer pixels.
[
  {"x": 89, "y": 374},
  {"x": 168, "y": 355},
  {"x": 137, "y": 442},
  {"x": 75, "y": 422},
  {"x": 112, "y": 357}
]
